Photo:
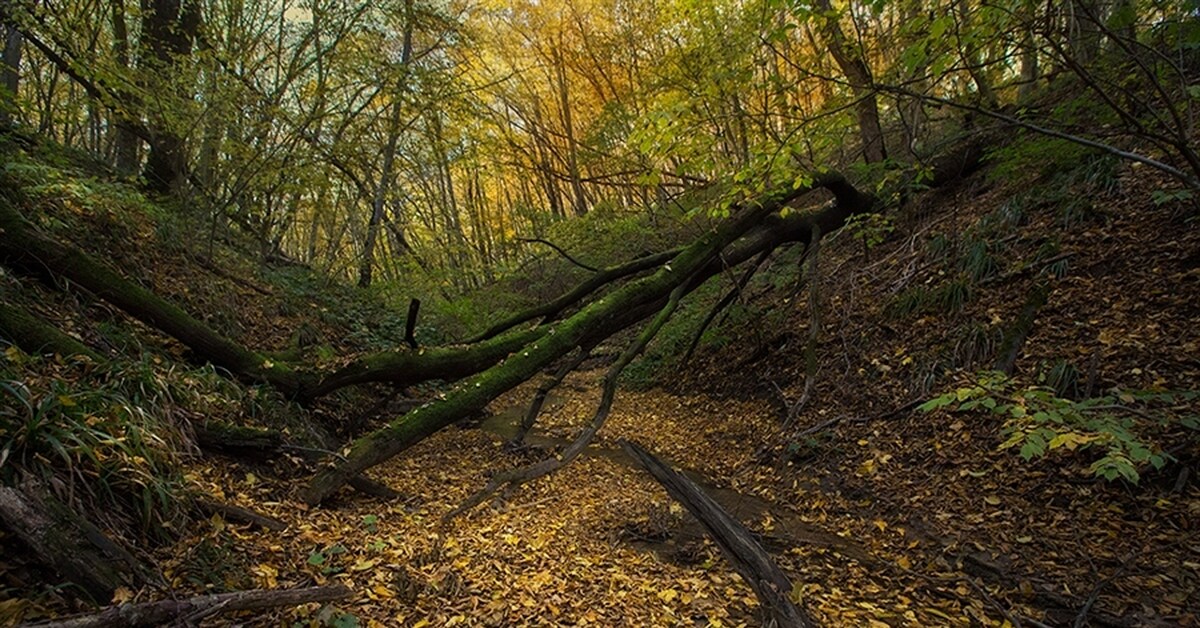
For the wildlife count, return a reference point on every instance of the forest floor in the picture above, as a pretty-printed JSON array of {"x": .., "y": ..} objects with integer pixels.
[
  {"x": 881, "y": 514},
  {"x": 882, "y": 530}
]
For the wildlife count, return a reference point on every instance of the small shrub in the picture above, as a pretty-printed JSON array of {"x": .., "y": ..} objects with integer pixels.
[{"x": 1038, "y": 421}]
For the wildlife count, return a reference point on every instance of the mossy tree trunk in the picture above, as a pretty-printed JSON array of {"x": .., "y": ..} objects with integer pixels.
[
  {"x": 601, "y": 318},
  {"x": 34, "y": 335},
  {"x": 24, "y": 245},
  {"x": 27, "y": 246}
]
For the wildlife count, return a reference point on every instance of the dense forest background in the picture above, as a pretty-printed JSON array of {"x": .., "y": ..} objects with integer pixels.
[{"x": 340, "y": 313}]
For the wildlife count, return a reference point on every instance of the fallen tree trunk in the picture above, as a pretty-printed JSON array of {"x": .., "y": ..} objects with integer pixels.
[
  {"x": 34, "y": 336},
  {"x": 67, "y": 543},
  {"x": 513, "y": 479},
  {"x": 263, "y": 445},
  {"x": 193, "y": 609},
  {"x": 25, "y": 245},
  {"x": 737, "y": 543},
  {"x": 404, "y": 368},
  {"x": 601, "y": 318}
]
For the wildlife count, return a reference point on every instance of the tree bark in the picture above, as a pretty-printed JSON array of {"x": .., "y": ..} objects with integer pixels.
[
  {"x": 858, "y": 73},
  {"x": 10, "y": 74},
  {"x": 35, "y": 336},
  {"x": 367, "y": 266},
  {"x": 1029, "y": 67},
  {"x": 389, "y": 156},
  {"x": 404, "y": 368},
  {"x": 737, "y": 543},
  {"x": 23, "y": 244},
  {"x": 169, "y": 28},
  {"x": 126, "y": 142},
  {"x": 555, "y": 307},
  {"x": 67, "y": 543}
]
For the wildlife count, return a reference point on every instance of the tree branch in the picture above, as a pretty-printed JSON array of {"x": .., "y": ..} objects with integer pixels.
[{"x": 560, "y": 251}]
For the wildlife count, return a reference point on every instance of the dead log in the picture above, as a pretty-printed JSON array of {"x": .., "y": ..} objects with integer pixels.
[
  {"x": 593, "y": 283},
  {"x": 238, "y": 514},
  {"x": 516, "y": 477},
  {"x": 196, "y": 608},
  {"x": 602, "y": 318},
  {"x": 262, "y": 445},
  {"x": 404, "y": 368},
  {"x": 737, "y": 543},
  {"x": 23, "y": 244},
  {"x": 35, "y": 336},
  {"x": 67, "y": 543}
]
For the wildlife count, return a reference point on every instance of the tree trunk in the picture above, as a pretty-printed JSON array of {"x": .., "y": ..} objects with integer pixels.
[
  {"x": 126, "y": 142},
  {"x": 10, "y": 74},
  {"x": 35, "y": 336},
  {"x": 1083, "y": 30},
  {"x": 404, "y": 368},
  {"x": 389, "y": 155},
  {"x": 858, "y": 73},
  {"x": 580, "y": 202},
  {"x": 23, "y": 244},
  {"x": 377, "y": 204},
  {"x": 969, "y": 52},
  {"x": 67, "y": 543},
  {"x": 1029, "y": 67},
  {"x": 168, "y": 29}
]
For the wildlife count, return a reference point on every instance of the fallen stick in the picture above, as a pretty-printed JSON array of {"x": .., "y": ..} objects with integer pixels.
[
  {"x": 240, "y": 515},
  {"x": 158, "y": 613}
]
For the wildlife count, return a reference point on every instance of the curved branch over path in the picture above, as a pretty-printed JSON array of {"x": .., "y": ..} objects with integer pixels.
[{"x": 751, "y": 228}]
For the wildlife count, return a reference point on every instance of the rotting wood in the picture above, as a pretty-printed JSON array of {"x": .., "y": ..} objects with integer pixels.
[
  {"x": 737, "y": 543},
  {"x": 238, "y": 514},
  {"x": 67, "y": 543},
  {"x": 196, "y": 608}
]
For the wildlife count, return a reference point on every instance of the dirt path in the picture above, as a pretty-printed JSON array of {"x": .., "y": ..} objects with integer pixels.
[
  {"x": 600, "y": 542},
  {"x": 597, "y": 543}
]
